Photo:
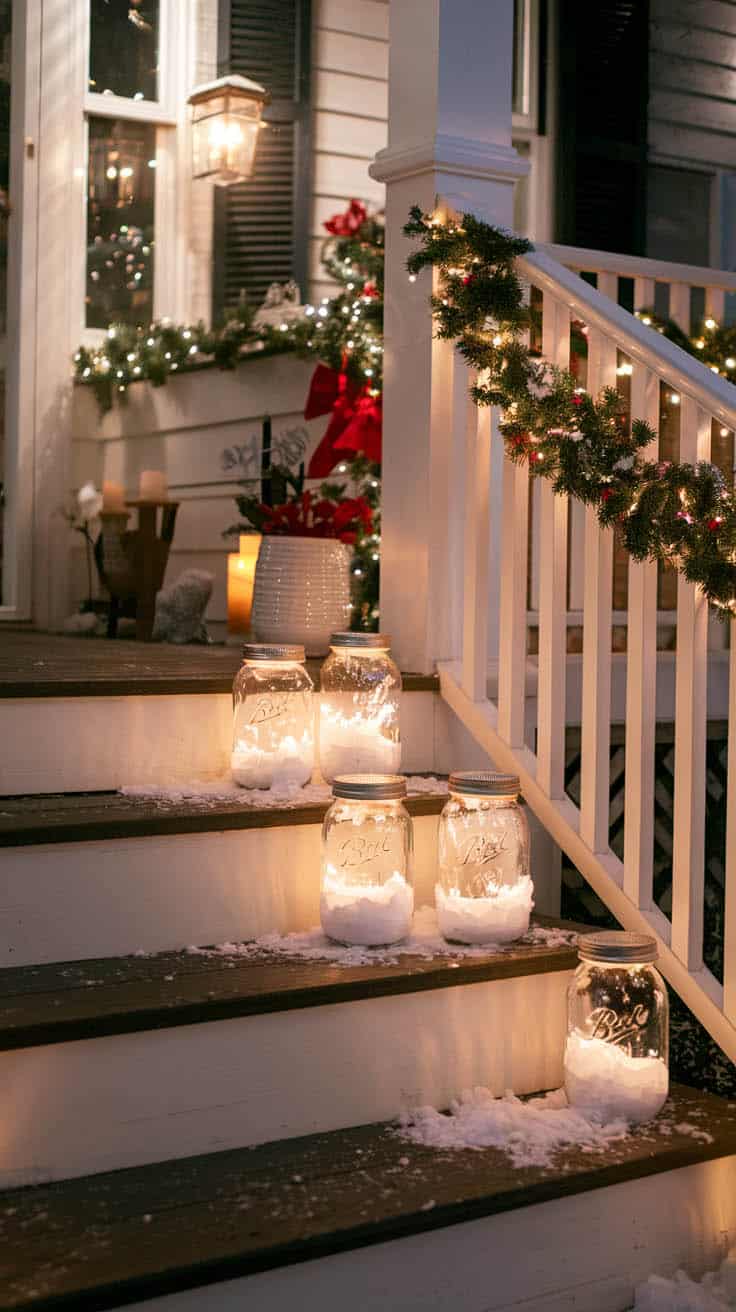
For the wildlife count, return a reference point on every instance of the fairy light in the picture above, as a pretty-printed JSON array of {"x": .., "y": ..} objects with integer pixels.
[
  {"x": 710, "y": 324},
  {"x": 674, "y": 398}
]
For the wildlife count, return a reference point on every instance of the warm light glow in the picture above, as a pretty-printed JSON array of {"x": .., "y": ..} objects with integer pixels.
[
  {"x": 226, "y": 120},
  {"x": 241, "y": 571}
]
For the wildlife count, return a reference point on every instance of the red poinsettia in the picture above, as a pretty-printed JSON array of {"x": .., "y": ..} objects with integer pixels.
[
  {"x": 307, "y": 517},
  {"x": 347, "y": 224}
]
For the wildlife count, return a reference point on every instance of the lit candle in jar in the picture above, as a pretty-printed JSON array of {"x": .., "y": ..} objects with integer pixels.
[
  {"x": 367, "y": 898},
  {"x": 602, "y": 1080},
  {"x": 241, "y": 569},
  {"x": 356, "y": 741},
  {"x": 501, "y": 916},
  {"x": 152, "y": 485},
  {"x": 359, "y": 728},
  {"x": 273, "y": 718}
]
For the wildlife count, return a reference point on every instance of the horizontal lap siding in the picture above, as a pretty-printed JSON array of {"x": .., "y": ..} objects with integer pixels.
[
  {"x": 692, "y": 71},
  {"x": 350, "y": 105}
]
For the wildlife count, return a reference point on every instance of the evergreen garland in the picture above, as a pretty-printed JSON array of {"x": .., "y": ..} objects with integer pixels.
[{"x": 677, "y": 513}]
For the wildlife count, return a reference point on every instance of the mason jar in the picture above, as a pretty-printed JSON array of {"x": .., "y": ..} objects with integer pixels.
[
  {"x": 617, "y": 1029},
  {"x": 484, "y": 892},
  {"x": 367, "y": 894},
  {"x": 273, "y": 718},
  {"x": 360, "y": 701}
]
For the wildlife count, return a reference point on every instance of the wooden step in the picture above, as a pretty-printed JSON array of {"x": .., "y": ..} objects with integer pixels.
[
  {"x": 362, "y": 1219},
  {"x": 86, "y": 715},
  {"x": 134, "y": 1059}
]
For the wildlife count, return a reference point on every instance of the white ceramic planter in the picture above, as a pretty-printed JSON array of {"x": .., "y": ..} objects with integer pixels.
[{"x": 302, "y": 591}]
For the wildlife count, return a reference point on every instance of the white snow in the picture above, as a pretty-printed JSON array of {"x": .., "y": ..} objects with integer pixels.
[
  {"x": 716, "y": 1292},
  {"x": 425, "y": 941},
  {"x": 530, "y": 1132},
  {"x": 602, "y": 1080},
  {"x": 368, "y": 915},
  {"x": 285, "y": 795},
  {"x": 497, "y": 918}
]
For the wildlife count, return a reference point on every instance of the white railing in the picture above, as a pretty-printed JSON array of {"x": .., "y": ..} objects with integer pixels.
[{"x": 522, "y": 723}]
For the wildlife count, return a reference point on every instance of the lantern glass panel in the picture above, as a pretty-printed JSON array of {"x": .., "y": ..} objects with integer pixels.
[
  {"x": 367, "y": 895},
  {"x": 360, "y": 704},
  {"x": 273, "y": 719},
  {"x": 484, "y": 891},
  {"x": 123, "y": 48},
  {"x": 616, "y": 1052},
  {"x": 224, "y": 137},
  {"x": 121, "y": 176}
]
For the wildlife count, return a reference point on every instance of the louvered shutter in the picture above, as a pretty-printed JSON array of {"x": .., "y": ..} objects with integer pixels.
[
  {"x": 602, "y": 124},
  {"x": 262, "y": 226}
]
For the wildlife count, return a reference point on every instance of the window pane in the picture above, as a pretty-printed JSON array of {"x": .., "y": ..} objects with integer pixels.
[
  {"x": 121, "y": 174},
  {"x": 5, "y": 20},
  {"x": 123, "y": 48}
]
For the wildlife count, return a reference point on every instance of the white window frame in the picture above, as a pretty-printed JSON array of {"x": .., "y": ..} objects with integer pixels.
[
  {"x": 170, "y": 115},
  {"x": 525, "y": 123}
]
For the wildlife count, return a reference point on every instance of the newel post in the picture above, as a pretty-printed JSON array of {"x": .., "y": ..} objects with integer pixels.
[{"x": 449, "y": 143}]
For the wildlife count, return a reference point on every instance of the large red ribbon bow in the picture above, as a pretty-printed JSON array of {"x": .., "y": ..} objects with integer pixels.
[{"x": 355, "y": 424}]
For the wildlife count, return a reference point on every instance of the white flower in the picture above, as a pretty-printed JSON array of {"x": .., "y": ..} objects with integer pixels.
[{"x": 89, "y": 501}]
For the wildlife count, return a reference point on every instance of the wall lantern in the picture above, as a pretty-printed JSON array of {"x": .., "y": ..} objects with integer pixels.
[{"x": 226, "y": 120}]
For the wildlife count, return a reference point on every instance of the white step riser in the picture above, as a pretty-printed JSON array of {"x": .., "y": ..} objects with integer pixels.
[
  {"x": 69, "y": 901},
  {"x": 88, "y": 744},
  {"x": 585, "y": 1253},
  {"x": 70, "y": 1109}
]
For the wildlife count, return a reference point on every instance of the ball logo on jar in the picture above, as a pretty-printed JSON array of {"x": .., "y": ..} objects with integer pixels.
[
  {"x": 618, "y": 1027},
  {"x": 360, "y": 851},
  {"x": 271, "y": 706},
  {"x": 481, "y": 850}
]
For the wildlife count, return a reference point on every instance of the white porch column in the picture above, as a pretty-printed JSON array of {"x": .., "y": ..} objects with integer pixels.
[{"x": 450, "y": 69}]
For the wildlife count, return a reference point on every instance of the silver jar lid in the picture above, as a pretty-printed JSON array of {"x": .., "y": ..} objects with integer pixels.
[
  {"x": 484, "y": 783},
  {"x": 370, "y": 787},
  {"x": 358, "y": 640},
  {"x": 619, "y": 947},
  {"x": 272, "y": 651}
]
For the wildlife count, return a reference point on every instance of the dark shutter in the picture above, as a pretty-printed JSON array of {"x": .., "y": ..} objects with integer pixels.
[
  {"x": 262, "y": 226},
  {"x": 603, "y": 89}
]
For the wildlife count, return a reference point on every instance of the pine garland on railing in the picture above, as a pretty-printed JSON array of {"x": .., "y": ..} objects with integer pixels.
[{"x": 679, "y": 513}]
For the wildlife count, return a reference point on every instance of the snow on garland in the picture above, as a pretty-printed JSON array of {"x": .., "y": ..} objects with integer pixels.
[{"x": 677, "y": 513}]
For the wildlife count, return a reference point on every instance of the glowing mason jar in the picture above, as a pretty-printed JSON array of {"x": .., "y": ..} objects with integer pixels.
[
  {"x": 617, "y": 1029},
  {"x": 367, "y": 895},
  {"x": 359, "y": 707},
  {"x": 273, "y": 718},
  {"x": 484, "y": 893}
]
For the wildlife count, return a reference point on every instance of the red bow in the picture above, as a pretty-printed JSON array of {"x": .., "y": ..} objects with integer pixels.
[
  {"x": 347, "y": 224},
  {"x": 355, "y": 424}
]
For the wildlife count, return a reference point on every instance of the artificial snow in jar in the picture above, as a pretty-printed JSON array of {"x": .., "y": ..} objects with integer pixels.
[
  {"x": 273, "y": 718},
  {"x": 359, "y": 707},
  {"x": 367, "y": 896},
  {"x": 617, "y": 1029},
  {"x": 484, "y": 893}
]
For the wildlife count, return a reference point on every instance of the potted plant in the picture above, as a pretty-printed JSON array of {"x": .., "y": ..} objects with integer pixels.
[{"x": 302, "y": 581}]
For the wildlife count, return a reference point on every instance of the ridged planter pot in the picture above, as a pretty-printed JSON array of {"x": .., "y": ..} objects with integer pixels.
[{"x": 302, "y": 591}]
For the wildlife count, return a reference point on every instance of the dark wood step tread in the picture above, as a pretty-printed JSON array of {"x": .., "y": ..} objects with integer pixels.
[
  {"x": 83, "y": 817},
  {"x": 109, "y": 1240},
  {"x": 52, "y": 665},
  {"x": 120, "y": 995}
]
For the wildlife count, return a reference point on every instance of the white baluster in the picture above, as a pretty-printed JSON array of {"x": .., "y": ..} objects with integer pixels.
[
  {"x": 641, "y": 685},
  {"x": 476, "y": 549},
  {"x": 729, "y": 945},
  {"x": 680, "y": 304},
  {"x": 595, "y": 766},
  {"x": 715, "y": 302},
  {"x": 691, "y": 687},
  {"x": 608, "y": 285},
  {"x": 643, "y": 293},
  {"x": 552, "y": 589},
  {"x": 512, "y": 629}
]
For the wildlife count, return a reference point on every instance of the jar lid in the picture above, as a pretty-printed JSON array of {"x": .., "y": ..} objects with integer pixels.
[
  {"x": 370, "y": 787},
  {"x": 484, "y": 783},
  {"x": 618, "y": 947},
  {"x": 348, "y": 639},
  {"x": 272, "y": 651}
]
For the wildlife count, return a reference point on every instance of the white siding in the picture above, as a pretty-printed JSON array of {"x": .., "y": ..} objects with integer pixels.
[
  {"x": 692, "y": 72},
  {"x": 350, "y": 105}
]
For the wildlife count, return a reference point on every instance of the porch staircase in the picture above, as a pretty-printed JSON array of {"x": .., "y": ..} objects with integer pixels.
[{"x": 216, "y": 1128}]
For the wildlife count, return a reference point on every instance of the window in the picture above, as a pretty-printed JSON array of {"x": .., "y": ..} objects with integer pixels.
[
  {"x": 121, "y": 175},
  {"x": 123, "y": 48},
  {"x": 262, "y": 226}
]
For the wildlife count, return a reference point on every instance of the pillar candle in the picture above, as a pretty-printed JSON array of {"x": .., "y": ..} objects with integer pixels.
[
  {"x": 153, "y": 486},
  {"x": 113, "y": 498},
  {"x": 241, "y": 569}
]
